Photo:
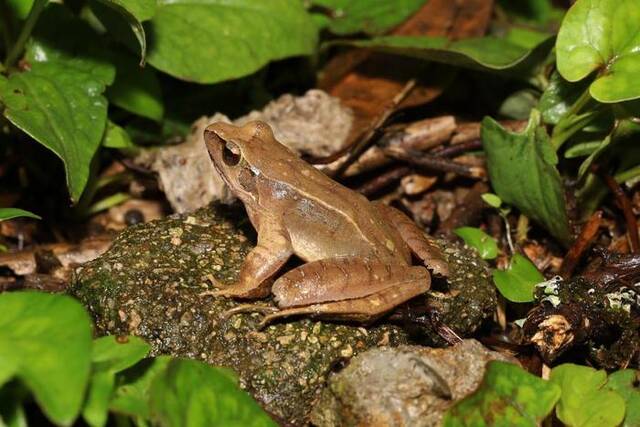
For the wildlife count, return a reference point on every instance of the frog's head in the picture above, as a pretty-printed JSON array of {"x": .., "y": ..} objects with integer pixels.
[{"x": 236, "y": 152}]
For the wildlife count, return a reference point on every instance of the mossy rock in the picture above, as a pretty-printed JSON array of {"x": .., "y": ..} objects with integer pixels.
[{"x": 150, "y": 282}]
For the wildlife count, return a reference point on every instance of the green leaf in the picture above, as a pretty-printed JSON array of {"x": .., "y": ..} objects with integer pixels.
[
  {"x": 602, "y": 36},
  {"x": 191, "y": 394},
  {"x": 59, "y": 101},
  {"x": 483, "y": 53},
  {"x": 519, "y": 104},
  {"x": 558, "y": 97},
  {"x": 20, "y": 8},
  {"x": 479, "y": 240},
  {"x": 10, "y": 213},
  {"x": 136, "y": 89},
  {"x": 518, "y": 282},
  {"x": 522, "y": 168},
  {"x": 585, "y": 402},
  {"x": 541, "y": 11},
  {"x": 623, "y": 383},
  {"x": 45, "y": 340},
  {"x": 368, "y": 16},
  {"x": 132, "y": 392},
  {"x": 116, "y": 137},
  {"x": 134, "y": 13},
  {"x": 109, "y": 356},
  {"x": 508, "y": 396},
  {"x": 492, "y": 200},
  {"x": 208, "y": 41}
]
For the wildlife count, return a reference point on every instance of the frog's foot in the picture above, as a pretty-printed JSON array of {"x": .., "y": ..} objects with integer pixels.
[
  {"x": 236, "y": 290},
  {"x": 249, "y": 308}
]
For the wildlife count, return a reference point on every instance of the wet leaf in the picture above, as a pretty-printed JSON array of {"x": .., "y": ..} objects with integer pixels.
[
  {"x": 558, "y": 98},
  {"x": 508, "y": 396},
  {"x": 368, "y": 16},
  {"x": 479, "y": 240},
  {"x": 45, "y": 342},
  {"x": 624, "y": 382},
  {"x": 602, "y": 36},
  {"x": 116, "y": 137},
  {"x": 10, "y": 213},
  {"x": 522, "y": 168},
  {"x": 518, "y": 282},
  {"x": 208, "y": 41},
  {"x": 190, "y": 394},
  {"x": 109, "y": 356},
  {"x": 585, "y": 402}
]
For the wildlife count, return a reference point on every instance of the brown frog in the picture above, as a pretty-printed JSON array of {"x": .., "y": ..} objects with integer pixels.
[{"x": 357, "y": 253}]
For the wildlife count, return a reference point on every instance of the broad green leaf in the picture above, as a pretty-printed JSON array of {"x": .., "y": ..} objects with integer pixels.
[
  {"x": 59, "y": 101},
  {"x": 192, "y": 394},
  {"x": 585, "y": 402},
  {"x": 134, "y": 13},
  {"x": 208, "y": 41},
  {"x": 46, "y": 340},
  {"x": 61, "y": 106},
  {"x": 484, "y": 53},
  {"x": 522, "y": 168},
  {"x": 479, "y": 240},
  {"x": 131, "y": 395},
  {"x": 136, "y": 89},
  {"x": 20, "y": 8},
  {"x": 602, "y": 36},
  {"x": 624, "y": 382},
  {"x": 518, "y": 282},
  {"x": 109, "y": 356},
  {"x": 508, "y": 396},
  {"x": 116, "y": 137},
  {"x": 10, "y": 213},
  {"x": 368, "y": 16}
]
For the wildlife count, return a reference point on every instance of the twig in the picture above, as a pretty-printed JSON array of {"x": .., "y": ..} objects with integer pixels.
[
  {"x": 454, "y": 150},
  {"x": 587, "y": 235},
  {"x": 381, "y": 181},
  {"x": 625, "y": 205},
  {"x": 368, "y": 137},
  {"x": 432, "y": 162}
]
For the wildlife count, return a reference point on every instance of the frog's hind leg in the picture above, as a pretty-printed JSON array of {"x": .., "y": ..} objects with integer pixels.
[
  {"x": 347, "y": 288},
  {"x": 418, "y": 241}
]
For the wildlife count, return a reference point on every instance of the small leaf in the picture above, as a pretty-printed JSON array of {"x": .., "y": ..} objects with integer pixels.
[
  {"x": 134, "y": 12},
  {"x": 602, "y": 36},
  {"x": 190, "y": 394},
  {"x": 109, "y": 356},
  {"x": 368, "y": 16},
  {"x": 10, "y": 213},
  {"x": 623, "y": 383},
  {"x": 116, "y": 137},
  {"x": 522, "y": 168},
  {"x": 479, "y": 240},
  {"x": 508, "y": 396},
  {"x": 483, "y": 53},
  {"x": 492, "y": 200},
  {"x": 585, "y": 402},
  {"x": 558, "y": 97},
  {"x": 45, "y": 340},
  {"x": 208, "y": 41},
  {"x": 518, "y": 282}
]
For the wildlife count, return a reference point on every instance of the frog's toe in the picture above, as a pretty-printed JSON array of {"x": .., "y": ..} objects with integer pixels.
[{"x": 248, "y": 308}]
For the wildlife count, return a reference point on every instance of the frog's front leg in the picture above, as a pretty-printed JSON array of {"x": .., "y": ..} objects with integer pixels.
[
  {"x": 347, "y": 288},
  {"x": 262, "y": 262}
]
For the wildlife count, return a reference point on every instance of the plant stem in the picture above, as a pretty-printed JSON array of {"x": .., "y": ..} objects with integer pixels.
[
  {"x": 627, "y": 175},
  {"x": 18, "y": 46},
  {"x": 570, "y": 123}
]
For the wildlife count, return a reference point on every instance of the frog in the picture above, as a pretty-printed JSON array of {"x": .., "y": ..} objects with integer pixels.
[{"x": 357, "y": 255}]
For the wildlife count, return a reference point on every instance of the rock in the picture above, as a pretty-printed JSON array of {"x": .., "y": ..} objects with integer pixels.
[
  {"x": 149, "y": 284},
  {"x": 315, "y": 124},
  {"x": 403, "y": 386}
]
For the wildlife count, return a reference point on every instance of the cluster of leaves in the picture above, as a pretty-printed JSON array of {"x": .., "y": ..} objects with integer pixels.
[
  {"x": 47, "y": 355},
  {"x": 58, "y": 86},
  {"x": 582, "y": 396}
]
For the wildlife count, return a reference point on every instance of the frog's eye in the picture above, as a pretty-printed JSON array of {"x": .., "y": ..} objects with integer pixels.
[{"x": 231, "y": 154}]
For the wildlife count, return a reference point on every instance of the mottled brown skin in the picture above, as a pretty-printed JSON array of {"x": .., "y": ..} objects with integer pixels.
[{"x": 357, "y": 253}]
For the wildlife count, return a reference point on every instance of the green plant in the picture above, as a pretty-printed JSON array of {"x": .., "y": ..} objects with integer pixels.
[{"x": 47, "y": 354}]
